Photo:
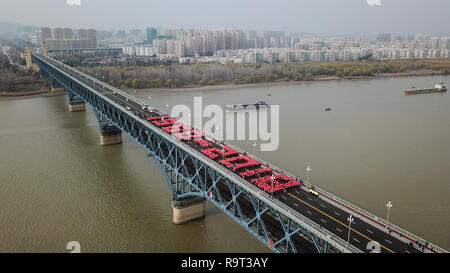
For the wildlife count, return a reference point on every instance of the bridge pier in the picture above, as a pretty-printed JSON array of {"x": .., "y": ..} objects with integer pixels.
[
  {"x": 77, "y": 106},
  {"x": 110, "y": 137},
  {"x": 188, "y": 210}
]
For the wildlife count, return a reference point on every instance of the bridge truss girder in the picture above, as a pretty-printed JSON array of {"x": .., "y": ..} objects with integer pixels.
[{"x": 188, "y": 176}]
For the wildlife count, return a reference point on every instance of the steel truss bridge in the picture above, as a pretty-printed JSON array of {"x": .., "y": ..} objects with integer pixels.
[
  {"x": 85, "y": 52},
  {"x": 292, "y": 220}
]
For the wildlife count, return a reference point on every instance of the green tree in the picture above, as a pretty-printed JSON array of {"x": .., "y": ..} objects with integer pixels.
[
  {"x": 271, "y": 77},
  {"x": 178, "y": 83},
  {"x": 308, "y": 76},
  {"x": 204, "y": 81},
  {"x": 169, "y": 83},
  {"x": 135, "y": 83},
  {"x": 287, "y": 74},
  {"x": 298, "y": 77},
  {"x": 155, "y": 83}
]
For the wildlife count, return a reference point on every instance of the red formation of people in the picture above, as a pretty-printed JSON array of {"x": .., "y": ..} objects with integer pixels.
[{"x": 272, "y": 182}]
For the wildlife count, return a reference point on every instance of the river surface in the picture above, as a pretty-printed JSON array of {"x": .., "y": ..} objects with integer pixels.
[{"x": 57, "y": 184}]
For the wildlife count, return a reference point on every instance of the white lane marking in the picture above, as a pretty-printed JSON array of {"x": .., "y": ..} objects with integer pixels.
[
  {"x": 407, "y": 251},
  {"x": 309, "y": 212},
  {"x": 323, "y": 205},
  {"x": 309, "y": 199},
  {"x": 297, "y": 192},
  {"x": 283, "y": 197},
  {"x": 337, "y": 213},
  {"x": 339, "y": 230},
  {"x": 323, "y": 220},
  {"x": 369, "y": 231},
  {"x": 295, "y": 204},
  {"x": 388, "y": 241},
  {"x": 355, "y": 240}
]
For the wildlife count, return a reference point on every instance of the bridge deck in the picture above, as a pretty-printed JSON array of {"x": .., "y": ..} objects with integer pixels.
[{"x": 325, "y": 212}]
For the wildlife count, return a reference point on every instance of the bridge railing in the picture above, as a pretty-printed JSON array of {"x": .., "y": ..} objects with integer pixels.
[
  {"x": 318, "y": 230},
  {"x": 366, "y": 216}
]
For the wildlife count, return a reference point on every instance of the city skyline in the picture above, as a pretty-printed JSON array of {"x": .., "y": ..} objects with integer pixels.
[
  {"x": 240, "y": 46},
  {"x": 301, "y": 16}
]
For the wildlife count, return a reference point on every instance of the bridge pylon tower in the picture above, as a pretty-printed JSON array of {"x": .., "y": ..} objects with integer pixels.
[
  {"x": 28, "y": 59},
  {"x": 44, "y": 48}
]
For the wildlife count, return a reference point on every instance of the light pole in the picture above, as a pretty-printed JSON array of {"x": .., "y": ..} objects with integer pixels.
[
  {"x": 216, "y": 130},
  {"x": 308, "y": 171},
  {"x": 223, "y": 152},
  {"x": 272, "y": 178},
  {"x": 143, "y": 110},
  {"x": 350, "y": 221},
  {"x": 389, "y": 206}
]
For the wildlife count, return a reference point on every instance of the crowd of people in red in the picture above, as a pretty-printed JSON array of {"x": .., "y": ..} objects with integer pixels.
[
  {"x": 275, "y": 183},
  {"x": 252, "y": 173},
  {"x": 240, "y": 162},
  {"x": 214, "y": 153},
  {"x": 271, "y": 182}
]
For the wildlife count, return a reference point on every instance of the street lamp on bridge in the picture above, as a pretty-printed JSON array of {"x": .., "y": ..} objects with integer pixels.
[
  {"x": 308, "y": 170},
  {"x": 389, "y": 206},
  {"x": 350, "y": 221},
  {"x": 143, "y": 110},
  {"x": 272, "y": 178}
]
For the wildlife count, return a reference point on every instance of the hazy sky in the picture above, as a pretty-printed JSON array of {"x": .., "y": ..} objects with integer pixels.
[{"x": 317, "y": 16}]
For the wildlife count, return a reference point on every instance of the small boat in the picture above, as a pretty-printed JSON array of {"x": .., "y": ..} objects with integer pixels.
[
  {"x": 328, "y": 109},
  {"x": 246, "y": 107}
]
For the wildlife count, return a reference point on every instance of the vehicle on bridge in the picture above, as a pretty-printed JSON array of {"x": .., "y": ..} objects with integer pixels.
[{"x": 313, "y": 192}]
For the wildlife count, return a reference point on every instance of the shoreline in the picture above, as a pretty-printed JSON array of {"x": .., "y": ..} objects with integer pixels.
[
  {"x": 226, "y": 86},
  {"x": 4, "y": 96}
]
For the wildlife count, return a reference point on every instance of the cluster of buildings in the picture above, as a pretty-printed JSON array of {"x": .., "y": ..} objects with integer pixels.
[
  {"x": 141, "y": 50},
  {"x": 177, "y": 43},
  {"x": 66, "y": 38},
  {"x": 188, "y": 45},
  {"x": 248, "y": 47},
  {"x": 273, "y": 55}
]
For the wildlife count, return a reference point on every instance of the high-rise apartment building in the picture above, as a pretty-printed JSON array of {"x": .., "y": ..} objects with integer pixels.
[
  {"x": 63, "y": 38},
  {"x": 151, "y": 34},
  {"x": 63, "y": 33},
  {"x": 46, "y": 33},
  {"x": 384, "y": 38}
]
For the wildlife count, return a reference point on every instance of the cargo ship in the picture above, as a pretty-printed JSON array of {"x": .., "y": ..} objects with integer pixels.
[
  {"x": 246, "y": 107},
  {"x": 438, "y": 88}
]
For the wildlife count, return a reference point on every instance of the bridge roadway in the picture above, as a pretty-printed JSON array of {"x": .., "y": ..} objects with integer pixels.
[{"x": 323, "y": 210}]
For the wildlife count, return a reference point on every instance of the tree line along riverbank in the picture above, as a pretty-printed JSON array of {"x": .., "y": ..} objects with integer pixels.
[
  {"x": 195, "y": 75},
  {"x": 15, "y": 81}
]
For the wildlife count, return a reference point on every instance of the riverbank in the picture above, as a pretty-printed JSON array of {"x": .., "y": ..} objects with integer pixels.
[
  {"x": 58, "y": 91},
  {"x": 224, "y": 86},
  {"x": 4, "y": 96}
]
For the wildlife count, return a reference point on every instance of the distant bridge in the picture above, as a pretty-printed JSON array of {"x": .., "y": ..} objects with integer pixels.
[
  {"x": 85, "y": 51},
  {"x": 271, "y": 204}
]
